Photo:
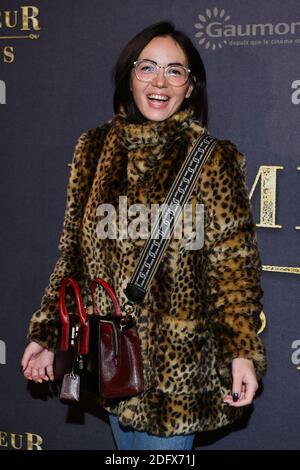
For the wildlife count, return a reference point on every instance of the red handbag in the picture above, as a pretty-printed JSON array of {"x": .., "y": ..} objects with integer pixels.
[{"x": 104, "y": 353}]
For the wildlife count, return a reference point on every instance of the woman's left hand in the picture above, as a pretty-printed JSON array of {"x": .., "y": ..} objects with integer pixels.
[{"x": 244, "y": 383}]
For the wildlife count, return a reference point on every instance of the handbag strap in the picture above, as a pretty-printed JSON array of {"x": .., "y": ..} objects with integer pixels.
[
  {"x": 65, "y": 320},
  {"x": 177, "y": 196},
  {"x": 97, "y": 281}
]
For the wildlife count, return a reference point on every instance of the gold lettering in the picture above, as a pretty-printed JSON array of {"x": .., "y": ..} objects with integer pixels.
[
  {"x": 3, "y": 439},
  {"x": 13, "y": 441},
  {"x": 34, "y": 441},
  {"x": 7, "y": 19},
  {"x": 268, "y": 175},
  {"x": 9, "y": 55},
  {"x": 298, "y": 226},
  {"x": 26, "y": 17}
]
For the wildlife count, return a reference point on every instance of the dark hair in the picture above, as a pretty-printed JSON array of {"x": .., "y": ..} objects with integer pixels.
[{"x": 123, "y": 97}]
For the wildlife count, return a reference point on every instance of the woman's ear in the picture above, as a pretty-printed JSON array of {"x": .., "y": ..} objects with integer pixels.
[
  {"x": 130, "y": 82},
  {"x": 191, "y": 87},
  {"x": 190, "y": 90}
]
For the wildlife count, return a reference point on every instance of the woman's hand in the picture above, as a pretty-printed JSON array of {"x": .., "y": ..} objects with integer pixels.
[
  {"x": 244, "y": 383},
  {"x": 37, "y": 363}
]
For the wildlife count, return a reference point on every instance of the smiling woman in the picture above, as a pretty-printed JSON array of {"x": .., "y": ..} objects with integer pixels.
[
  {"x": 198, "y": 322},
  {"x": 157, "y": 96},
  {"x": 147, "y": 87}
]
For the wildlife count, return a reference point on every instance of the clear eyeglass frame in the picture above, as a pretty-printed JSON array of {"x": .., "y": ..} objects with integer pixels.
[{"x": 157, "y": 67}]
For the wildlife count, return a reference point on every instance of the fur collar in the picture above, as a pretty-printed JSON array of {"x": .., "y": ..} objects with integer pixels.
[{"x": 151, "y": 133}]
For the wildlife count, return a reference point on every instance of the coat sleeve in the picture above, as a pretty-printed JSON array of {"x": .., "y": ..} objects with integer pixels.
[
  {"x": 44, "y": 324},
  {"x": 232, "y": 261}
]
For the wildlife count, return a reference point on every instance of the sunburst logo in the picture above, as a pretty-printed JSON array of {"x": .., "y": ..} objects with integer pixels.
[{"x": 211, "y": 26}]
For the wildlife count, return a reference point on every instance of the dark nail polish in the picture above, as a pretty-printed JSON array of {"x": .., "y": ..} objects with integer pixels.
[{"x": 235, "y": 396}]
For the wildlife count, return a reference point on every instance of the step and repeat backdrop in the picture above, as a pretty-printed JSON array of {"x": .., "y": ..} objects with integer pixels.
[{"x": 56, "y": 60}]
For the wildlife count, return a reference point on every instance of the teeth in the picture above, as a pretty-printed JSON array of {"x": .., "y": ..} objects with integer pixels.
[{"x": 158, "y": 97}]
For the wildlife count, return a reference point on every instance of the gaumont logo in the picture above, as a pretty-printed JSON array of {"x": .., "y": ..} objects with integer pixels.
[{"x": 217, "y": 29}]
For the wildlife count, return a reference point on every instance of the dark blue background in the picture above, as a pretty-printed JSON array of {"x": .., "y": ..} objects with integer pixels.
[{"x": 59, "y": 86}]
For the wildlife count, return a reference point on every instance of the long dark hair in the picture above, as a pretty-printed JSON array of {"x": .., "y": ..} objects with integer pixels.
[{"x": 123, "y": 97}]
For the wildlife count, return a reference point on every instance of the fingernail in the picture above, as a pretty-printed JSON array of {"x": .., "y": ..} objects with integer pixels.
[{"x": 235, "y": 396}]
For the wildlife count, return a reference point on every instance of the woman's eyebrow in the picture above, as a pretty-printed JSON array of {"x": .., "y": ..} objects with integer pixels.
[{"x": 171, "y": 63}]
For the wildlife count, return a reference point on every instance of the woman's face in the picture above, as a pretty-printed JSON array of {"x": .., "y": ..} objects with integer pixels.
[{"x": 158, "y": 100}]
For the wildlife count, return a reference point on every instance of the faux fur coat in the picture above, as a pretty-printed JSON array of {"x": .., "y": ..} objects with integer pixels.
[{"x": 202, "y": 308}]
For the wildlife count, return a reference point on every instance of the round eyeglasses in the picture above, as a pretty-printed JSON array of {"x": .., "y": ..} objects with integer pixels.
[{"x": 146, "y": 71}]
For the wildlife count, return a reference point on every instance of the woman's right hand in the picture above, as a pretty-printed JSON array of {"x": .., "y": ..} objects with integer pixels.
[{"x": 37, "y": 363}]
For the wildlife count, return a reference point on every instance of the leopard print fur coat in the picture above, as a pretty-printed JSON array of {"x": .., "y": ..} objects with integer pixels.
[{"x": 202, "y": 308}]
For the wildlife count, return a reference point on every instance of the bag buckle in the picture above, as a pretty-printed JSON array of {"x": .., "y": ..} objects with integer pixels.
[{"x": 129, "y": 313}]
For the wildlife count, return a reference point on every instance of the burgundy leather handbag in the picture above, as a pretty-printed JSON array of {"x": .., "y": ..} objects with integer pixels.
[{"x": 101, "y": 351}]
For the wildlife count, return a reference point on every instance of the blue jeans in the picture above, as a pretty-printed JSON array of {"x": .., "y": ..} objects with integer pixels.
[{"x": 127, "y": 438}]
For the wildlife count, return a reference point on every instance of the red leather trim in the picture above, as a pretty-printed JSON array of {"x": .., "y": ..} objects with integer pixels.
[
  {"x": 111, "y": 293},
  {"x": 64, "y": 316}
]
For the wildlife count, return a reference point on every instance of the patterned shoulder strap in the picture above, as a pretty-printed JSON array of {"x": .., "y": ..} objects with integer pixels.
[{"x": 177, "y": 196}]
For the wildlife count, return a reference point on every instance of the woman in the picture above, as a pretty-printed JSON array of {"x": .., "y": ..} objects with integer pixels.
[{"x": 201, "y": 355}]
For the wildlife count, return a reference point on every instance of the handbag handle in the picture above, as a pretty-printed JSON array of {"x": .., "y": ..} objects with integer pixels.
[
  {"x": 65, "y": 320},
  {"x": 97, "y": 281}
]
